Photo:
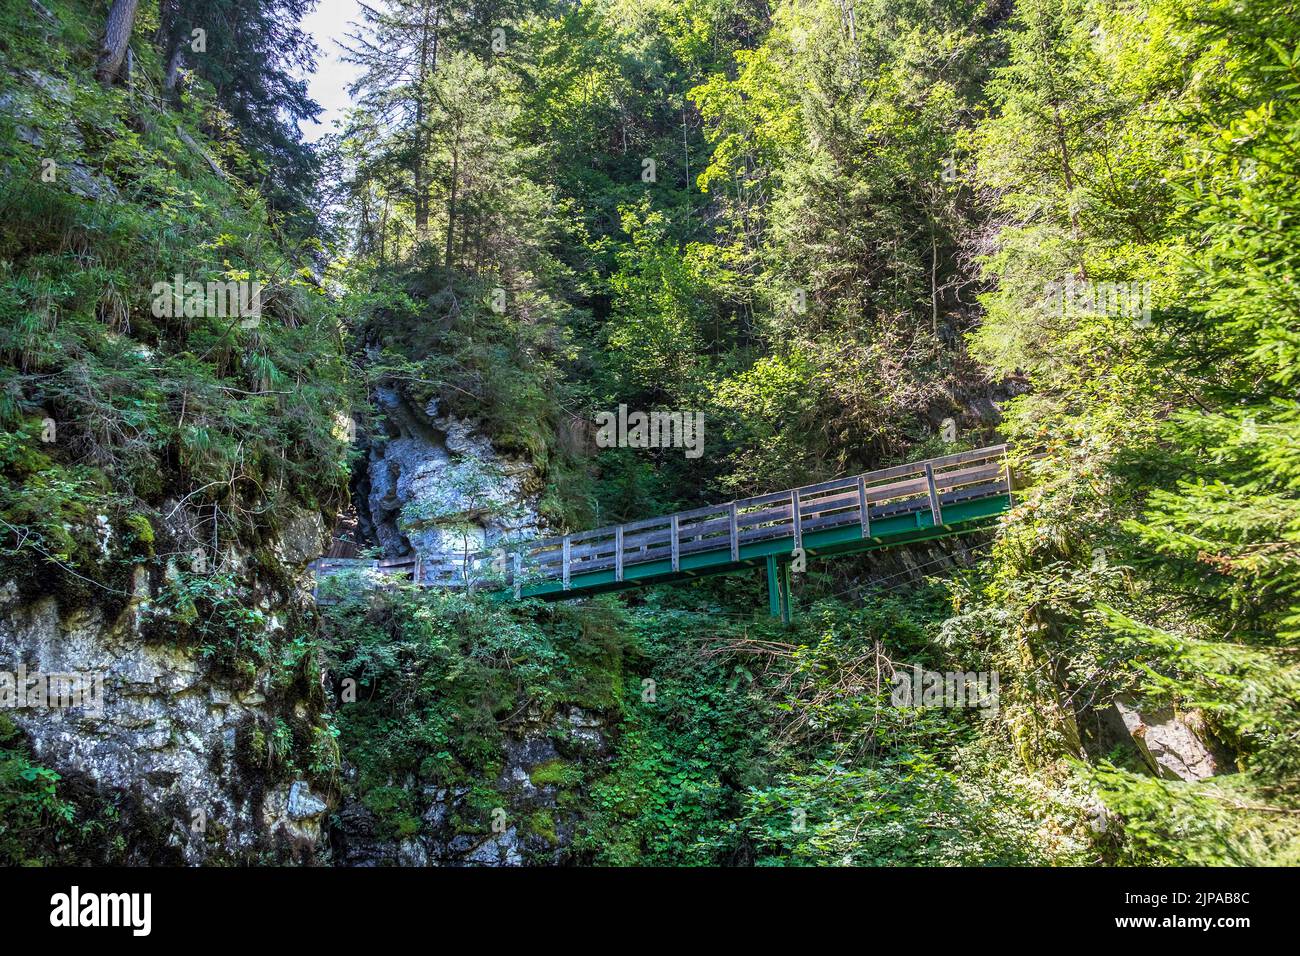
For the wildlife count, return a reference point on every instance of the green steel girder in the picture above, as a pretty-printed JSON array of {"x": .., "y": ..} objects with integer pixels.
[{"x": 773, "y": 587}]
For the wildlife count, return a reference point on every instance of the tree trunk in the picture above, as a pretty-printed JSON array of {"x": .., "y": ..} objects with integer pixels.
[
  {"x": 421, "y": 188},
  {"x": 428, "y": 64},
  {"x": 117, "y": 34},
  {"x": 170, "y": 42},
  {"x": 451, "y": 199},
  {"x": 1068, "y": 170},
  {"x": 174, "y": 64},
  {"x": 934, "y": 283}
]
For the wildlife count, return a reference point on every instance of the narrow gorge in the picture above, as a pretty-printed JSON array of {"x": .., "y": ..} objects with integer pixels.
[{"x": 959, "y": 522}]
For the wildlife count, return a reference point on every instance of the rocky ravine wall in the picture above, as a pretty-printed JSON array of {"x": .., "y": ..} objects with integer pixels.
[
  {"x": 528, "y": 790},
  {"x": 436, "y": 487},
  {"x": 164, "y": 750}
]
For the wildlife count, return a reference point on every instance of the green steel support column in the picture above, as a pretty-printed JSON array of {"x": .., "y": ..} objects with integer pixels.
[
  {"x": 773, "y": 588},
  {"x": 787, "y": 596}
]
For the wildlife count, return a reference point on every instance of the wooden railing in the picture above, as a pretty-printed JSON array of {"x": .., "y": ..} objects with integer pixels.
[{"x": 861, "y": 500}]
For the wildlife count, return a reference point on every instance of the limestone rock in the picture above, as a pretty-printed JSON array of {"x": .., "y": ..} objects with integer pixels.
[
  {"x": 501, "y": 849},
  {"x": 303, "y": 804},
  {"x": 162, "y": 733},
  {"x": 286, "y": 818},
  {"x": 437, "y": 488},
  {"x": 53, "y": 87},
  {"x": 1174, "y": 746},
  {"x": 76, "y": 175},
  {"x": 302, "y": 538},
  {"x": 586, "y": 728}
]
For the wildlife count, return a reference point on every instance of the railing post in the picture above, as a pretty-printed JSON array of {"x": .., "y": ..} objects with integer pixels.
[
  {"x": 735, "y": 534},
  {"x": 794, "y": 516},
  {"x": 936, "y": 513},
  {"x": 618, "y": 553},
  {"x": 1006, "y": 460},
  {"x": 567, "y": 547},
  {"x": 677, "y": 555},
  {"x": 864, "y": 509}
]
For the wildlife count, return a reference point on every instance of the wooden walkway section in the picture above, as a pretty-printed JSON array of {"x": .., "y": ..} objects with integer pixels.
[{"x": 928, "y": 499}]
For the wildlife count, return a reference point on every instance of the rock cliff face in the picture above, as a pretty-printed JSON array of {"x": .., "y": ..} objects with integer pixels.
[
  {"x": 1176, "y": 746},
  {"x": 18, "y": 106},
  {"x": 436, "y": 488},
  {"x": 166, "y": 737},
  {"x": 185, "y": 751}
]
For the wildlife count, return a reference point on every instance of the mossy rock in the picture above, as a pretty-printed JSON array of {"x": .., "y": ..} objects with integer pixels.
[
  {"x": 392, "y": 809},
  {"x": 137, "y": 531},
  {"x": 560, "y": 773},
  {"x": 251, "y": 746},
  {"x": 542, "y": 824}
]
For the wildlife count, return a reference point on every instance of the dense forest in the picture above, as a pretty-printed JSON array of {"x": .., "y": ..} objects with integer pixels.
[{"x": 843, "y": 235}]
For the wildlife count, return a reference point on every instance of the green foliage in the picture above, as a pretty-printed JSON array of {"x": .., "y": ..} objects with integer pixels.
[
  {"x": 254, "y": 53},
  {"x": 707, "y": 765},
  {"x": 672, "y": 781},
  {"x": 904, "y": 811},
  {"x": 865, "y": 782},
  {"x": 834, "y": 190},
  {"x": 212, "y": 611},
  {"x": 771, "y": 407},
  {"x": 31, "y": 812},
  {"x": 392, "y": 807},
  {"x": 777, "y": 748},
  {"x": 47, "y": 820},
  {"x": 1213, "y": 823},
  {"x": 1154, "y": 554},
  {"x": 653, "y": 334},
  {"x": 829, "y": 149},
  {"x": 109, "y": 409},
  {"x": 557, "y": 772},
  {"x": 440, "y": 676}
]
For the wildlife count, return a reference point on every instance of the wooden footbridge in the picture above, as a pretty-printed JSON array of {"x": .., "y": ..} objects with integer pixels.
[{"x": 954, "y": 494}]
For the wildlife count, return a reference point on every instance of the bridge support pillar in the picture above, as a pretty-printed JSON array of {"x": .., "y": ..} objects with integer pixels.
[
  {"x": 773, "y": 588},
  {"x": 778, "y": 589},
  {"x": 787, "y": 595}
]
